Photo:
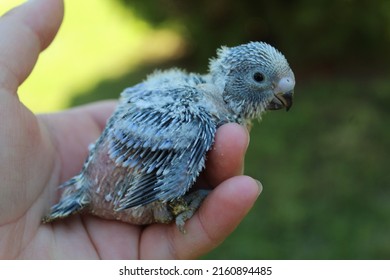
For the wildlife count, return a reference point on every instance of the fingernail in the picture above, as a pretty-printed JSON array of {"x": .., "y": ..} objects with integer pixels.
[
  {"x": 248, "y": 137},
  {"x": 260, "y": 185}
]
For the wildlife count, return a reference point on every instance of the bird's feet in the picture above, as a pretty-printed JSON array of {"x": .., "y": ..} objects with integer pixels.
[{"x": 184, "y": 208}]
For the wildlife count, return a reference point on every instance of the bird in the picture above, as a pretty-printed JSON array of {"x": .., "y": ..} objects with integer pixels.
[{"x": 142, "y": 167}]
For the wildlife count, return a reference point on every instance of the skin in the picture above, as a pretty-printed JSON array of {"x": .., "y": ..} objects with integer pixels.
[{"x": 38, "y": 152}]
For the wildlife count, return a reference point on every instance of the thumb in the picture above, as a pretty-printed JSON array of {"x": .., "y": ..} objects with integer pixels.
[{"x": 25, "y": 32}]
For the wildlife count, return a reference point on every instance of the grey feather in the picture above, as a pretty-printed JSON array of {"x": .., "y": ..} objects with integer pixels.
[
  {"x": 154, "y": 146},
  {"x": 176, "y": 133}
]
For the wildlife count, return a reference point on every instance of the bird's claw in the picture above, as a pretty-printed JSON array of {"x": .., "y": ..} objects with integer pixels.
[{"x": 185, "y": 207}]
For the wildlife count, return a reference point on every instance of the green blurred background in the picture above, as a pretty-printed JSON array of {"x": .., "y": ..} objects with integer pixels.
[{"x": 324, "y": 165}]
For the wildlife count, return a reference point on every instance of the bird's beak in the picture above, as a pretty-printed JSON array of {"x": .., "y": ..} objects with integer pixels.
[{"x": 281, "y": 100}]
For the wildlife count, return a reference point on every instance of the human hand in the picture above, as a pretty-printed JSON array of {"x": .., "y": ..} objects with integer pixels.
[{"x": 37, "y": 153}]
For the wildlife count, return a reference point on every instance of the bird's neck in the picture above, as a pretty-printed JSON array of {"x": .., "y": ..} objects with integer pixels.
[{"x": 236, "y": 108}]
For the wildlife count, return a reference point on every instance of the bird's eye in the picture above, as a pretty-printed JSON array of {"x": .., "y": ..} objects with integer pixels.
[{"x": 258, "y": 77}]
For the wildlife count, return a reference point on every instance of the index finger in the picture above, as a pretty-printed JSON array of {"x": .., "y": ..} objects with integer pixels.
[{"x": 226, "y": 158}]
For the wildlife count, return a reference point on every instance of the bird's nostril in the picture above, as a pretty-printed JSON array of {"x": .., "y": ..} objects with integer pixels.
[{"x": 285, "y": 84}]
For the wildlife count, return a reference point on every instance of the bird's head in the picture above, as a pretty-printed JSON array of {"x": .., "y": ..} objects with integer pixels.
[{"x": 254, "y": 77}]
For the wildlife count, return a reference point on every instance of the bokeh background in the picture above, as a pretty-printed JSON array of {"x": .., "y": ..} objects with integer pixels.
[{"x": 324, "y": 165}]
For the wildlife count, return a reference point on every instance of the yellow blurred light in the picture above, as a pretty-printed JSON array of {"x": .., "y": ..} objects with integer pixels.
[{"x": 99, "y": 39}]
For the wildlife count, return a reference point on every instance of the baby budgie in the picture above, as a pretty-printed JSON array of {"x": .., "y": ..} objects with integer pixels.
[{"x": 142, "y": 167}]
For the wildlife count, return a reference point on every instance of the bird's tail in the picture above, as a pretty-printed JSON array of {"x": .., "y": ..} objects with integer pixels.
[{"x": 73, "y": 200}]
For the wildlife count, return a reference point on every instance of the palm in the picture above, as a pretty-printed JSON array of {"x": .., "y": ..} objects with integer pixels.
[
  {"x": 37, "y": 153},
  {"x": 57, "y": 153}
]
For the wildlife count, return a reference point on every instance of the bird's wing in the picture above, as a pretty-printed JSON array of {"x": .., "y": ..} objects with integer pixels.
[{"x": 161, "y": 137}]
